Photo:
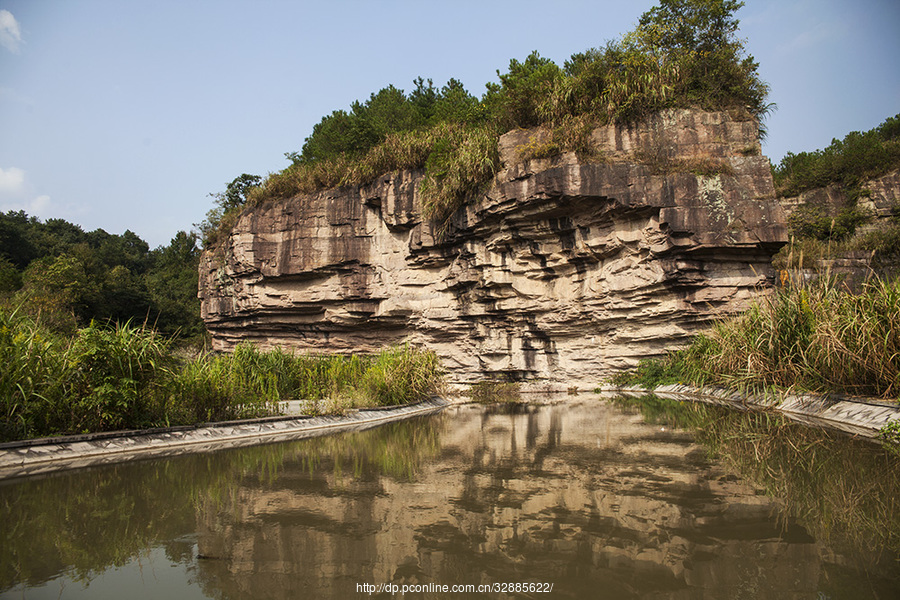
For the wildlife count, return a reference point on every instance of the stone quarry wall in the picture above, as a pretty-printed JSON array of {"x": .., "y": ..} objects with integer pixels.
[{"x": 563, "y": 271}]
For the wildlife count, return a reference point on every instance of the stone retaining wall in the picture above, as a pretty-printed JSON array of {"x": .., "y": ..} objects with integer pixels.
[{"x": 30, "y": 457}]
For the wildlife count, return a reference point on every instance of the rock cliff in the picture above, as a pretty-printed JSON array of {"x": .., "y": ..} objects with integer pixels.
[
  {"x": 880, "y": 201},
  {"x": 562, "y": 271},
  {"x": 881, "y": 197}
]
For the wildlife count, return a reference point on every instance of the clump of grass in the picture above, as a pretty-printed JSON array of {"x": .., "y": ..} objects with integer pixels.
[
  {"x": 459, "y": 166},
  {"x": 400, "y": 375},
  {"x": 573, "y": 134},
  {"x": 816, "y": 337},
  {"x": 458, "y": 161},
  {"x": 491, "y": 392},
  {"x": 33, "y": 374}
]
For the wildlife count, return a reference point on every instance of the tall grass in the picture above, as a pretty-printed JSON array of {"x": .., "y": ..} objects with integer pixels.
[
  {"x": 817, "y": 337},
  {"x": 127, "y": 377},
  {"x": 401, "y": 374},
  {"x": 458, "y": 161}
]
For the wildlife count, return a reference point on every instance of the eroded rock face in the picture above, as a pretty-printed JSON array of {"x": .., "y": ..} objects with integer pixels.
[
  {"x": 562, "y": 272},
  {"x": 881, "y": 197}
]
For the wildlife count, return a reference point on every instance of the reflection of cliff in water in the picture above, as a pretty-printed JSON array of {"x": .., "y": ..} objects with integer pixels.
[{"x": 580, "y": 495}]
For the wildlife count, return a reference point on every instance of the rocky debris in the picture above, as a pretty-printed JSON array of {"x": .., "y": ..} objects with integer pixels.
[{"x": 563, "y": 271}]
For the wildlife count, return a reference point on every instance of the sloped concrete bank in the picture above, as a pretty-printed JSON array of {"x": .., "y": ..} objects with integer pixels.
[
  {"x": 32, "y": 457},
  {"x": 864, "y": 418}
]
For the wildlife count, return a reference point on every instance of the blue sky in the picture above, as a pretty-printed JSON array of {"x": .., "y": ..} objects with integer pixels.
[{"x": 125, "y": 115}]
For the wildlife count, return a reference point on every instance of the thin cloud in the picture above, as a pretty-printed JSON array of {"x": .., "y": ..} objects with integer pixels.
[
  {"x": 18, "y": 193},
  {"x": 39, "y": 206},
  {"x": 808, "y": 39},
  {"x": 10, "y": 34},
  {"x": 12, "y": 180},
  {"x": 14, "y": 97}
]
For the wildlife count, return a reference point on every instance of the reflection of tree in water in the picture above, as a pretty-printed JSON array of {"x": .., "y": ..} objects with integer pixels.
[{"x": 87, "y": 520}]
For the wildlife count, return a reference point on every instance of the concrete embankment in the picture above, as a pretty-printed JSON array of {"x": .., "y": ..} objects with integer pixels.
[
  {"x": 31, "y": 457},
  {"x": 861, "y": 417}
]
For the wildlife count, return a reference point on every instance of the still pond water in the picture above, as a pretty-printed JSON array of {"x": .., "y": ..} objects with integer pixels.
[{"x": 599, "y": 499}]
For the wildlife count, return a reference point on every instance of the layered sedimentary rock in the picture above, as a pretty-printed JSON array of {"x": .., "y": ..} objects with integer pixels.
[
  {"x": 562, "y": 271},
  {"x": 880, "y": 198},
  {"x": 879, "y": 201}
]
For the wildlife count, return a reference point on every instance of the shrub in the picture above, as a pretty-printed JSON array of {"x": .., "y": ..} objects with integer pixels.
[
  {"x": 115, "y": 376},
  {"x": 813, "y": 222}
]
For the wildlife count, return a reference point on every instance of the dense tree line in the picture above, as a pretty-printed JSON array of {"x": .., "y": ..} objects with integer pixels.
[{"x": 68, "y": 277}]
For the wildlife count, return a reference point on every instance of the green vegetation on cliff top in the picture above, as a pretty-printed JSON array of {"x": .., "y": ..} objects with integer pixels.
[
  {"x": 682, "y": 53},
  {"x": 820, "y": 230},
  {"x": 849, "y": 162}
]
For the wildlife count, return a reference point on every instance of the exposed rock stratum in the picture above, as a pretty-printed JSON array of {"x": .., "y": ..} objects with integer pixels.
[{"x": 564, "y": 270}]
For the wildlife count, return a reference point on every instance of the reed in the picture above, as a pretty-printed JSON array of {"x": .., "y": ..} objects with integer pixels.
[
  {"x": 129, "y": 377},
  {"x": 817, "y": 337},
  {"x": 400, "y": 375}
]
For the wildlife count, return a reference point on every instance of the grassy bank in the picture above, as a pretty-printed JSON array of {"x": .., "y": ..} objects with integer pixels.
[
  {"x": 126, "y": 377},
  {"x": 814, "y": 337}
]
